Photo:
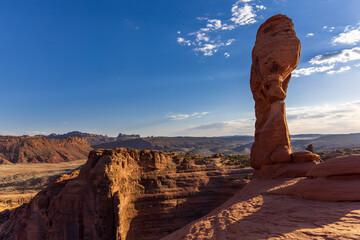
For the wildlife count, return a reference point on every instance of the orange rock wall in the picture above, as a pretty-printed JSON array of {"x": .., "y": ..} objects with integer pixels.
[{"x": 124, "y": 194}]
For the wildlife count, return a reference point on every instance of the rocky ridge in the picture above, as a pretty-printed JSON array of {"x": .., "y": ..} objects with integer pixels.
[
  {"x": 42, "y": 150},
  {"x": 124, "y": 194}
]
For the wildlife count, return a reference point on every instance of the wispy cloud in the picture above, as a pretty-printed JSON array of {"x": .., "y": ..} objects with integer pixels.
[
  {"x": 310, "y": 70},
  {"x": 327, "y": 62},
  {"x": 343, "y": 56},
  {"x": 235, "y": 127},
  {"x": 351, "y": 35},
  {"x": 309, "y": 35},
  {"x": 325, "y": 118},
  {"x": 208, "y": 39},
  {"x": 340, "y": 70},
  {"x": 328, "y": 118},
  {"x": 181, "y": 116}
]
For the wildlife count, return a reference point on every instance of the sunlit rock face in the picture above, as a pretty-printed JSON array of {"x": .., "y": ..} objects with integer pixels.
[
  {"x": 275, "y": 55},
  {"x": 125, "y": 194}
]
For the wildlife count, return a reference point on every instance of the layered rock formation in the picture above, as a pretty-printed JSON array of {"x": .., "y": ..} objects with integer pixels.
[
  {"x": 125, "y": 194},
  {"x": 41, "y": 149},
  {"x": 275, "y": 55}
]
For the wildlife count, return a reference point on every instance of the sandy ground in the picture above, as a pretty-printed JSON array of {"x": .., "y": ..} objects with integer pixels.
[{"x": 20, "y": 182}]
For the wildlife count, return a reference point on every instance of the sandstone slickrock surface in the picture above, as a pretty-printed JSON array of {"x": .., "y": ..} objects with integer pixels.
[
  {"x": 41, "y": 149},
  {"x": 254, "y": 213},
  {"x": 337, "y": 179},
  {"x": 125, "y": 194},
  {"x": 275, "y": 55}
]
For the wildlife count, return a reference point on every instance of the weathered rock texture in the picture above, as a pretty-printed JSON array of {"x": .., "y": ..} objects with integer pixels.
[
  {"x": 41, "y": 149},
  {"x": 275, "y": 55},
  {"x": 255, "y": 213},
  {"x": 337, "y": 179},
  {"x": 125, "y": 194}
]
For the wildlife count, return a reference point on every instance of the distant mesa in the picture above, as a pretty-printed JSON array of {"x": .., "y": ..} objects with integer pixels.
[
  {"x": 123, "y": 135},
  {"x": 93, "y": 139}
]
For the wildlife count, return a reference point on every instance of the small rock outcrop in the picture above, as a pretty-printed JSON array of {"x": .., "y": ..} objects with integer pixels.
[
  {"x": 42, "y": 150},
  {"x": 124, "y": 194},
  {"x": 310, "y": 148},
  {"x": 275, "y": 55}
]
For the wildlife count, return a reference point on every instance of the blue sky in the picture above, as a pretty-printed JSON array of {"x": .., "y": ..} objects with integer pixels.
[{"x": 169, "y": 68}]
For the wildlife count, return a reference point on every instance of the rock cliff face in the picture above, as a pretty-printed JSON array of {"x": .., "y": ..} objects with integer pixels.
[
  {"x": 125, "y": 194},
  {"x": 41, "y": 149},
  {"x": 275, "y": 55}
]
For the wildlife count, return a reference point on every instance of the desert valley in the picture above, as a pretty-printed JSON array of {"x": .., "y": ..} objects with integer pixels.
[{"x": 210, "y": 179}]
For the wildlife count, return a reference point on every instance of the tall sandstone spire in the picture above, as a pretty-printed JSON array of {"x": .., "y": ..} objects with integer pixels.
[{"x": 275, "y": 55}]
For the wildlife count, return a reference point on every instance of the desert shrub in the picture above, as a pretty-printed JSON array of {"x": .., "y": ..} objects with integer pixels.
[{"x": 239, "y": 160}]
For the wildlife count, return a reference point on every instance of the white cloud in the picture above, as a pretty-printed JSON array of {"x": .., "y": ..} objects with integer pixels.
[
  {"x": 208, "y": 49},
  {"x": 184, "y": 42},
  {"x": 351, "y": 35},
  {"x": 243, "y": 15},
  {"x": 342, "y": 69},
  {"x": 309, "y": 35},
  {"x": 226, "y": 54},
  {"x": 261, "y": 7},
  {"x": 325, "y": 27},
  {"x": 214, "y": 24},
  {"x": 343, "y": 56},
  {"x": 201, "y": 37},
  {"x": 310, "y": 70},
  {"x": 208, "y": 39},
  {"x": 181, "y": 116},
  {"x": 178, "y": 32},
  {"x": 357, "y": 65},
  {"x": 234, "y": 127}
]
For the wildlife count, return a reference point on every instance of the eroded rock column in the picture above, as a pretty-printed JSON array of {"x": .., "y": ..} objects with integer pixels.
[{"x": 275, "y": 55}]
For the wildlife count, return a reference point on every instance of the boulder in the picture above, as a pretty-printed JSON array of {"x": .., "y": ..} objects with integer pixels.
[{"x": 304, "y": 156}]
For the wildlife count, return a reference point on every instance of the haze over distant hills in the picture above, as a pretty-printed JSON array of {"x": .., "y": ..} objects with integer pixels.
[{"x": 206, "y": 146}]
